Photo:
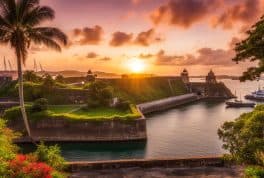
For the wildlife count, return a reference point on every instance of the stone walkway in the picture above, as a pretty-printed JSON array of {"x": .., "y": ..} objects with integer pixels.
[{"x": 204, "y": 172}]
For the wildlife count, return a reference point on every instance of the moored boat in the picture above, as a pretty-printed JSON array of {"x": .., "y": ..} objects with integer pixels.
[
  {"x": 240, "y": 103},
  {"x": 257, "y": 95}
]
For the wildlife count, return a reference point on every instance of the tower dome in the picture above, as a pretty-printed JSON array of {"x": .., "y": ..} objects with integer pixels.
[
  {"x": 185, "y": 76},
  {"x": 211, "y": 78}
]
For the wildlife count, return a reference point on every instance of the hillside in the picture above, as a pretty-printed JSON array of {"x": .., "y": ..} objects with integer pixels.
[
  {"x": 139, "y": 90},
  {"x": 75, "y": 73}
]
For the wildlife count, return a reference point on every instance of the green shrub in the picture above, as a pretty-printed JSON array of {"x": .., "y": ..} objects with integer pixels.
[
  {"x": 92, "y": 104},
  {"x": 40, "y": 105},
  {"x": 229, "y": 159},
  {"x": 31, "y": 76},
  {"x": 99, "y": 94},
  {"x": 243, "y": 138},
  {"x": 32, "y": 91},
  {"x": 260, "y": 157},
  {"x": 48, "y": 83},
  {"x": 50, "y": 155},
  {"x": 123, "y": 105},
  {"x": 254, "y": 172},
  {"x": 56, "y": 174},
  {"x": 14, "y": 113},
  {"x": 7, "y": 149},
  {"x": 9, "y": 89},
  {"x": 60, "y": 79}
]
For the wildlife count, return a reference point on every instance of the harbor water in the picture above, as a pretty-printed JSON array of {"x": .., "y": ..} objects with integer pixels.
[{"x": 186, "y": 131}]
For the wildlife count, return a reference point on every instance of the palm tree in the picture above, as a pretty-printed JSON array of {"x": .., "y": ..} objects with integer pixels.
[{"x": 19, "y": 27}]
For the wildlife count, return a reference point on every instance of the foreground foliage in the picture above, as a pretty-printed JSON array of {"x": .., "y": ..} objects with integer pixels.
[
  {"x": 254, "y": 172},
  {"x": 46, "y": 162},
  {"x": 244, "y": 139}
]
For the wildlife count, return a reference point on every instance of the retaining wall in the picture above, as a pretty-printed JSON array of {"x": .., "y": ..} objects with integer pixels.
[
  {"x": 146, "y": 163},
  {"x": 63, "y": 130}
]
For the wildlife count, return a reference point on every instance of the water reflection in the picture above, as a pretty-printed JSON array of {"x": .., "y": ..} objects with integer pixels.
[{"x": 97, "y": 151}]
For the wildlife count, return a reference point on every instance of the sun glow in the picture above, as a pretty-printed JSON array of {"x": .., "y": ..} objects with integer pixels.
[{"x": 136, "y": 65}]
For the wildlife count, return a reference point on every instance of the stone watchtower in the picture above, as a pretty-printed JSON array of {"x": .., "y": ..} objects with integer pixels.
[
  {"x": 185, "y": 76},
  {"x": 90, "y": 76},
  {"x": 211, "y": 78}
]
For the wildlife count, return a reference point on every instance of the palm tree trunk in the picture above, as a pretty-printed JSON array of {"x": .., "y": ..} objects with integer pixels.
[{"x": 21, "y": 94}]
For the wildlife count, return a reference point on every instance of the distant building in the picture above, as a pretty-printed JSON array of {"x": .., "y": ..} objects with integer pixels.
[
  {"x": 211, "y": 78},
  {"x": 5, "y": 78},
  {"x": 185, "y": 76},
  {"x": 90, "y": 76},
  {"x": 124, "y": 76}
]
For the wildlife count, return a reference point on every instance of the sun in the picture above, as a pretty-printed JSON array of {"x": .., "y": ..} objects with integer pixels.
[{"x": 136, "y": 65}]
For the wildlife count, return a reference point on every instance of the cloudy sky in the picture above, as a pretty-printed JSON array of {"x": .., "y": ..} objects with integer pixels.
[{"x": 167, "y": 35}]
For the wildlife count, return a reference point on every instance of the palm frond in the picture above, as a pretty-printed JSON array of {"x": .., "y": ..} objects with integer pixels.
[
  {"x": 38, "y": 15},
  {"x": 4, "y": 22},
  {"x": 25, "y": 6},
  {"x": 42, "y": 39},
  {"x": 9, "y": 10},
  {"x": 53, "y": 33},
  {"x": 5, "y": 35}
]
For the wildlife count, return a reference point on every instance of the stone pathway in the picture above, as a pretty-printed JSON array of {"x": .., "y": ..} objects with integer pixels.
[{"x": 204, "y": 172}]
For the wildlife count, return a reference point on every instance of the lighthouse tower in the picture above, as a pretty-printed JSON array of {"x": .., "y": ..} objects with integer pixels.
[{"x": 185, "y": 76}]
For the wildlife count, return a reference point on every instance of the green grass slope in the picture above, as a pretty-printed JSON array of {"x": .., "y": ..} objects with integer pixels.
[
  {"x": 75, "y": 113},
  {"x": 139, "y": 90}
]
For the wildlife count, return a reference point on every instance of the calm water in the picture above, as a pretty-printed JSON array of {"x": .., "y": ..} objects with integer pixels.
[{"x": 181, "y": 132}]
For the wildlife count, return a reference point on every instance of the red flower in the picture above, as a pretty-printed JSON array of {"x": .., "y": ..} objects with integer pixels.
[
  {"x": 21, "y": 158},
  {"x": 22, "y": 166}
]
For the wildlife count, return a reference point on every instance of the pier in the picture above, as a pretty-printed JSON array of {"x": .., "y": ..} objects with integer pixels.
[{"x": 167, "y": 103}]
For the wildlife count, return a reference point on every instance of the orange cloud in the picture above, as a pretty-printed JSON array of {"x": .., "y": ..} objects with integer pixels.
[
  {"x": 91, "y": 55},
  {"x": 163, "y": 59},
  {"x": 246, "y": 12},
  {"x": 88, "y": 35},
  {"x": 183, "y": 13},
  {"x": 120, "y": 39},
  {"x": 144, "y": 38},
  {"x": 204, "y": 56},
  {"x": 224, "y": 13}
]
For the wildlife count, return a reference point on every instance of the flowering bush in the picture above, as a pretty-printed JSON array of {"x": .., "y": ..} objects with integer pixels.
[
  {"x": 46, "y": 162},
  {"x": 25, "y": 166}
]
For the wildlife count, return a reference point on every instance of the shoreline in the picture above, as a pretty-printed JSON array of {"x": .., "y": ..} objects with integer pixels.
[
  {"x": 144, "y": 109},
  {"x": 208, "y": 161}
]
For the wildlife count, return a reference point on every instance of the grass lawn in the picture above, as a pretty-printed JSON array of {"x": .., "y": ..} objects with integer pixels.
[
  {"x": 75, "y": 112},
  {"x": 58, "y": 109}
]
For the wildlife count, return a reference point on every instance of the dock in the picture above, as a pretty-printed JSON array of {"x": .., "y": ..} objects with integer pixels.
[{"x": 167, "y": 103}]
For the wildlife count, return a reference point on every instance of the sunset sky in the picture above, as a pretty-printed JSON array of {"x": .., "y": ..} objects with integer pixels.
[{"x": 165, "y": 35}]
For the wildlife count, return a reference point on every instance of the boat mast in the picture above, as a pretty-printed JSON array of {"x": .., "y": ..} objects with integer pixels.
[
  {"x": 10, "y": 65},
  {"x": 5, "y": 68},
  {"x": 41, "y": 68},
  {"x": 35, "y": 66}
]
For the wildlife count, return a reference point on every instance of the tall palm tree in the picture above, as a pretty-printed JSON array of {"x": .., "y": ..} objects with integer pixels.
[{"x": 19, "y": 27}]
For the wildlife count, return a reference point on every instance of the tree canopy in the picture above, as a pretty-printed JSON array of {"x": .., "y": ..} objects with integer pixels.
[
  {"x": 244, "y": 138},
  {"x": 252, "y": 49}
]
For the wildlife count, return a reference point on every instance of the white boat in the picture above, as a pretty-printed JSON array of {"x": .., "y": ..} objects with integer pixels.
[
  {"x": 239, "y": 104},
  {"x": 257, "y": 95}
]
